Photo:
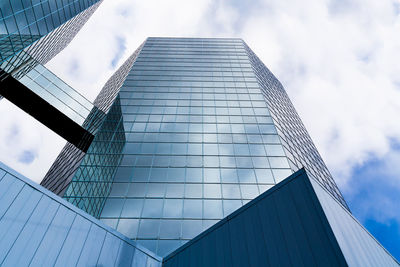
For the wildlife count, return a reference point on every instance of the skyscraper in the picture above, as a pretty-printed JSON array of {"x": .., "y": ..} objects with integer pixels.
[
  {"x": 199, "y": 128},
  {"x": 196, "y": 157}
]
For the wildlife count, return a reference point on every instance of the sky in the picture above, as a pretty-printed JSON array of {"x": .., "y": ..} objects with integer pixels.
[{"x": 338, "y": 61}]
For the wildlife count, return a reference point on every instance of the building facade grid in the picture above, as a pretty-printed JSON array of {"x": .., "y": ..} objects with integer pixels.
[{"x": 190, "y": 137}]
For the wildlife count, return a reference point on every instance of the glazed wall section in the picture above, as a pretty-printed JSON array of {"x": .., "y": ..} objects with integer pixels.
[
  {"x": 40, "y": 229},
  {"x": 285, "y": 226},
  {"x": 200, "y": 142},
  {"x": 297, "y": 143},
  {"x": 63, "y": 170}
]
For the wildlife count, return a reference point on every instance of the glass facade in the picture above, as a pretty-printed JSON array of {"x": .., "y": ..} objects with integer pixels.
[
  {"x": 63, "y": 170},
  {"x": 199, "y": 142},
  {"x": 297, "y": 143},
  {"x": 91, "y": 183},
  {"x": 191, "y": 136},
  {"x": 55, "y": 91},
  {"x": 25, "y": 22}
]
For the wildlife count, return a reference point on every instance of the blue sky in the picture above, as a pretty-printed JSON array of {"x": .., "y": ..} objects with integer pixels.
[
  {"x": 338, "y": 61},
  {"x": 373, "y": 196}
]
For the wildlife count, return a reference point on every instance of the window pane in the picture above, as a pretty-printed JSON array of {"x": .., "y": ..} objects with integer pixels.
[
  {"x": 113, "y": 207},
  {"x": 231, "y": 191},
  {"x": 192, "y": 208},
  {"x": 231, "y": 206},
  {"x": 213, "y": 209},
  {"x": 191, "y": 228},
  {"x": 132, "y": 208},
  {"x": 246, "y": 176},
  {"x": 194, "y": 175},
  {"x": 156, "y": 190},
  {"x": 249, "y": 191},
  {"x": 278, "y": 162},
  {"x": 229, "y": 176},
  {"x": 193, "y": 191},
  {"x": 137, "y": 190},
  {"x": 264, "y": 176},
  {"x": 148, "y": 228},
  {"x": 211, "y": 175},
  {"x": 152, "y": 208},
  {"x": 173, "y": 208},
  {"x": 175, "y": 191},
  {"x": 128, "y": 227},
  {"x": 170, "y": 229},
  {"x": 212, "y": 190}
]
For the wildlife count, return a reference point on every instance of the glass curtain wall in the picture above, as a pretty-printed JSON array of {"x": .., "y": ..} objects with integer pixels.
[{"x": 200, "y": 141}]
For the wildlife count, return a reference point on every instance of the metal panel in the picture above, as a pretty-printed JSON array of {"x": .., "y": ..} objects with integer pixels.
[
  {"x": 38, "y": 228},
  {"x": 32, "y": 234},
  {"x": 359, "y": 247},
  {"x": 75, "y": 242}
]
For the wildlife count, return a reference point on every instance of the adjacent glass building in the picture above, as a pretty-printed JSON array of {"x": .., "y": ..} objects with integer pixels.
[
  {"x": 38, "y": 30},
  {"x": 31, "y": 34},
  {"x": 198, "y": 128}
]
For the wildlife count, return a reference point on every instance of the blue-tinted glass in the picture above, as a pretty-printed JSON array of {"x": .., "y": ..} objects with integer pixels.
[
  {"x": 229, "y": 176},
  {"x": 246, "y": 176},
  {"x": 278, "y": 162},
  {"x": 156, "y": 190},
  {"x": 132, "y": 208},
  {"x": 173, "y": 208},
  {"x": 128, "y": 227},
  {"x": 231, "y": 191},
  {"x": 193, "y": 190},
  {"x": 260, "y": 162},
  {"x": 264, "y": 176},
  {"x": 113, "y": 207},
  {"x": 213, "y": 209},
  {"x": 167, "y": 246},
  {"x": 148, "y": 228},
  {"x": 211, "y": 176},
  {"x": 280, "y": 174},
  {"x": 231, "y": 205},
  {"x": 274, "y": 150},
  {"x": 249, "y": 191},
  {"x": 194, "y": 175},
  {"x": 191, "y": 228},
  {"x": 119, "y": 189},
  {"x": 137, "y": 190},
  {"x": 152, "y": 208},
  {"x": 170, "y": 229},
  {"x": 199, "y": 140},
  {"x": 212, "y": 191},
  {"x": 192, "y": 208},
  {"x": 208, "y": 223},
  {"x": 175, "y": 191},
  {"x": 244, "y": 162},
  {"x": 141, "y": 174}
]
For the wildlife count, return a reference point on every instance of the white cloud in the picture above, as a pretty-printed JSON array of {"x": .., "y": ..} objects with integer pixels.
[
  {"x": 21, "y": 134},
  {"x": 338, "y": 60}
]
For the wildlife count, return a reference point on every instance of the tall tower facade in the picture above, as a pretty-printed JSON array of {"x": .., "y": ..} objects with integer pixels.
[
  {"x": 198, "y": 128},
  {"x": 33, "y": 32}
]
